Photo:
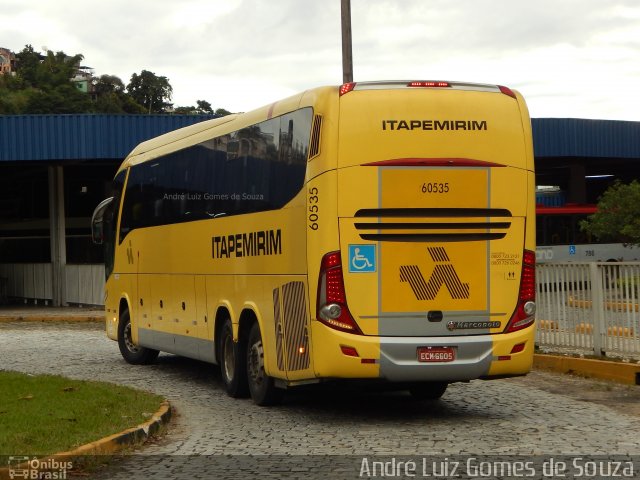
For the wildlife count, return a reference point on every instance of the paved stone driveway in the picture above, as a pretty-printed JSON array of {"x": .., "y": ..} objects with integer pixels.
[{"x": 505, "y": 417}]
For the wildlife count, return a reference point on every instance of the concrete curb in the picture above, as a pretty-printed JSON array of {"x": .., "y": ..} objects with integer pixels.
[
  {"x": 627, "y": 373},
  {"x": 27, "y": 317},
  {"x": 105, "y": 446}
]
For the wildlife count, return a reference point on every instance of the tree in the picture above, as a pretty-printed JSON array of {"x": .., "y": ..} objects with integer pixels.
[
  {"x": 111, "y": 97},
  {"x": 28, "y": 63},
  {"x": 57, "y": 69},
  {"x": 108, "y": 84},
  {"x": 618, "y": 215},
  {"x": 150, "y": 91},
  {"x": 45, "y": 84},
  {"x": 191, "y": 110},
  {"x": 13, "y": 95},
  {"x": 61, "y": 99},
  {"x": 204, "y": 107},
  {"x": 13, "y": 102}
]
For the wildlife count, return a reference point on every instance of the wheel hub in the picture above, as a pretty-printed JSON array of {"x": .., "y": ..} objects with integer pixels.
[
  {"x": 128, "y": 341},
  {"x": 229, "y": 358},
  {"x": 256, "y": 363}
]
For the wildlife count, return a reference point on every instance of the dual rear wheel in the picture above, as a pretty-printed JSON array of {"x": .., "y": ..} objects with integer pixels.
[{"x": 242, "y": 367}]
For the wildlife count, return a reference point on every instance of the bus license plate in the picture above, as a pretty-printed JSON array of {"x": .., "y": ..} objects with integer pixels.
[{"x": 436, "y": 354}]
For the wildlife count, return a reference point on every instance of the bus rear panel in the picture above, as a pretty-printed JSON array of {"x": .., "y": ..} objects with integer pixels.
[{"x": 432, "y": 278}]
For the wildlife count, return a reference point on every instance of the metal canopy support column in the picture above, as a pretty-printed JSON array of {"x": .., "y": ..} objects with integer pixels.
[{"x": 57, "y": 234}]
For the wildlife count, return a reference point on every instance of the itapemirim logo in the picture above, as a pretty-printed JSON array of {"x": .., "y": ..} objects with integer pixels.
[{"x": 443, "y": 274}]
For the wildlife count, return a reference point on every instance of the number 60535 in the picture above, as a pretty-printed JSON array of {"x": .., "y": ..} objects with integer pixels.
[{"x": 314, "y": 208}]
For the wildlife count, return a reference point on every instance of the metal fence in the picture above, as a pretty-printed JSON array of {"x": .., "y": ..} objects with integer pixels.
[
  {"x": 84, "y": 284},
  {"x": 589, "y": 308}
]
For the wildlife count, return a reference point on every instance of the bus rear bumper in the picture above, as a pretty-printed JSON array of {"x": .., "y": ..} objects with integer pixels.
[
  {"x": 395, "y": 359},
  {"x": 399, "y": 358}
]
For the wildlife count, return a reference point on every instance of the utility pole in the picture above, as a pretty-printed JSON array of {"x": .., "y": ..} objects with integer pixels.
[{"x": 347, "y": 58}]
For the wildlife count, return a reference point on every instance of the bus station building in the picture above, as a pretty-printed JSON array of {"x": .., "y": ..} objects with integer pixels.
[{"x": 55, "y": 169}]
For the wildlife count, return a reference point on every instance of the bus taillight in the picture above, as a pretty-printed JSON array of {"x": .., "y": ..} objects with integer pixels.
[
  {"x": 332, "y": 307},
  {"x": 429, "y": 84},
  {"x": 526, "y": 308},
  {"x": 347, "y": 87},
  {"x": 507, "y": 91}
]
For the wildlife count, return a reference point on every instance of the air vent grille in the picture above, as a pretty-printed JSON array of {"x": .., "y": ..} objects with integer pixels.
[
  {"x": 457, "y": 230},
  {"x": 314, "y": 146}
]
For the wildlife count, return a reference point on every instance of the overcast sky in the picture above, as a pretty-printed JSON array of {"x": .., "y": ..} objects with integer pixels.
[{"x": 570, "y": 58}]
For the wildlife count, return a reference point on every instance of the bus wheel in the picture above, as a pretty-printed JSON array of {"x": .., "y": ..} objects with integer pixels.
[
  {"x": 132, "y": 353},
  {"x": 428, "y": 391},
  {"x": 262, "y": 387},
  {"x": 232, "y": 362}
]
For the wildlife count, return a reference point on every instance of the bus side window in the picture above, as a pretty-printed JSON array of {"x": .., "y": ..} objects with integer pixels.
[{"x": 257, "y": 168}]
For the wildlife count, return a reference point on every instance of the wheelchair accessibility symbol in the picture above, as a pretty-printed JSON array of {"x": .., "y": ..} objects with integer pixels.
[{"x": 362, "y": 258}]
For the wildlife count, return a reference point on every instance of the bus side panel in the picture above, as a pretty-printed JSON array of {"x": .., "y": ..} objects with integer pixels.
[{"x": 183, "y": 318}]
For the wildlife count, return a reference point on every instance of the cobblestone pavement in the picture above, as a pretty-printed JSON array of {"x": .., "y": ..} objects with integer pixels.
[{"x": 503, "y": 417}]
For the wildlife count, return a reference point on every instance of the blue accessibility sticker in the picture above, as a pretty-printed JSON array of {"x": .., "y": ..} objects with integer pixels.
[{"x": 362, "y": 258}]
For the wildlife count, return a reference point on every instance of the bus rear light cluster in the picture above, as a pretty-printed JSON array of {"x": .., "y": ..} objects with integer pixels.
[
  {"x": 350, "y": 86},
  {"x": 349, "y": 351},
  {"x": 332, "y": 307},
  {"x": 352, "y": 352},
  {"x": 507, "y": 91},
  {"x": 429, "y": 84},
  {"x": 347, "y": 87},
  {"x": 526, "y": 308}
]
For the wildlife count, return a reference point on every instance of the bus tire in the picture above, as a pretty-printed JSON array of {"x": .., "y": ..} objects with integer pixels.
[
  {"x": 428, "y": 391},
  {"x": 232, "y": 362},
  {"x": 261, "y": 386},
  {"x": 132, "y": 353}
]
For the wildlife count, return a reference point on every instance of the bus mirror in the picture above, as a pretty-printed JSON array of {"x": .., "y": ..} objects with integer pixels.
[
  {"x": 97, "y": 221},
  {"x": 97, "y": 233}
]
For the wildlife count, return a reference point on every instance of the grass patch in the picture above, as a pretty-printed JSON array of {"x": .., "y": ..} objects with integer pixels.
[{"x": 45, "y": 414}]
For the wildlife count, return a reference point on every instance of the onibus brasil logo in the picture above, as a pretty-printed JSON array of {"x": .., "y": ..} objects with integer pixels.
[{"x": 38, "y": 468}]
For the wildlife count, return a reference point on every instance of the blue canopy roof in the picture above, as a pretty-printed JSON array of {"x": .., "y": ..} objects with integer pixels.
[
  {"x": 95, "y": 137},
  {"x": 575, "y": 137},
  {"x": 82, "y": 137}
]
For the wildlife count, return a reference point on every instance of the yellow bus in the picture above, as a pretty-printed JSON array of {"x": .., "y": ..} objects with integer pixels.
[{"x": 374, "y": 230}]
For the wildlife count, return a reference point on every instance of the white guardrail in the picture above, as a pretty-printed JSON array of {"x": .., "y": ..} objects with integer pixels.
[{"x": 589, "y": 308}]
